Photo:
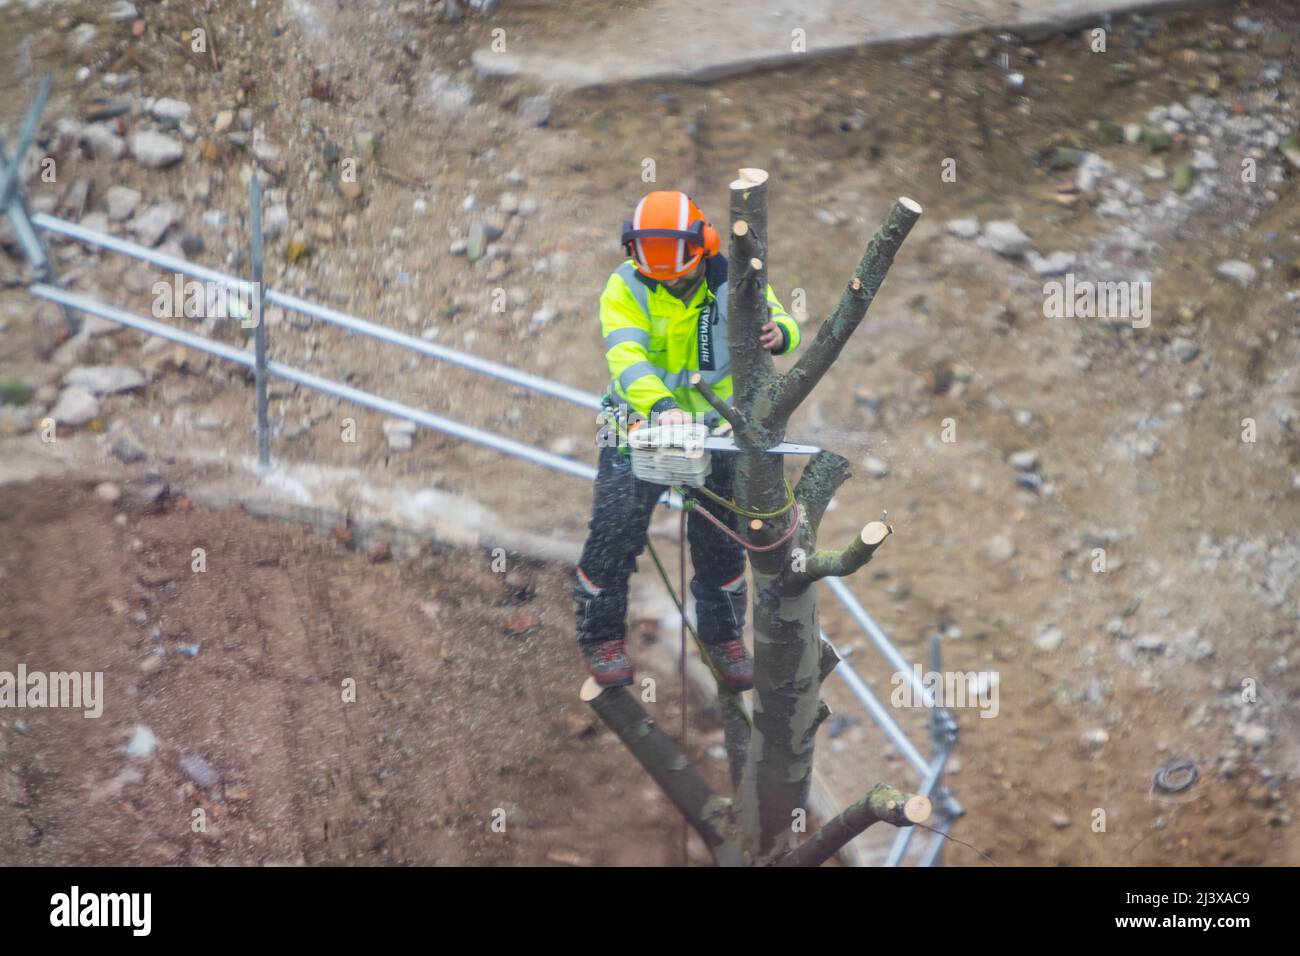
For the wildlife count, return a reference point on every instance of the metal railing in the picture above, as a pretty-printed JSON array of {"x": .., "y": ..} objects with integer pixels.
[{"x": 943, "y": 726}]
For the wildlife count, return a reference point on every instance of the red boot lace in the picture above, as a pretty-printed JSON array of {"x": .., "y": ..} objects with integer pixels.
[
  {"x": 733, "y": 652},
  {"x": 611, "y": 653}
]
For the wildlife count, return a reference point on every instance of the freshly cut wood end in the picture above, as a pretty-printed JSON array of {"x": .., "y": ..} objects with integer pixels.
[
  {"x": 917, "y": 809},
  {"x": 756, "y": 525},
  {"x": 696, "y": 378},
  {"x": 856, "y": 283},
  {"x": 756, "y": 264},
  {"x": 875, "y": 532},
  {"x": 911, "y": 205},
  {"x": 590, "y": 690},
  {"x": 740, "y": 227},
  {"x": 749, "y": 178}
]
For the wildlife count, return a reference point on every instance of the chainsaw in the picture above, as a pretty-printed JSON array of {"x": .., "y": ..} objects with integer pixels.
[{"x": 680, "y": 454}]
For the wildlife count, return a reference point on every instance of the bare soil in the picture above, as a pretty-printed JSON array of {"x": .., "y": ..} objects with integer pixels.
[{"x": 465, "y": 713}]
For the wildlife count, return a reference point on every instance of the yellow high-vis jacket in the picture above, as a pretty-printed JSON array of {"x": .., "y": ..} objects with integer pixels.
[{"x": 655, "y": 342}]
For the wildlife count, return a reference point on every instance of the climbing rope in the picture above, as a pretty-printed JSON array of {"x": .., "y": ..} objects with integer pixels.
[
  {"x": 690, "y": 505},
  {"x": 733, "y": 698},
  {"x": 730, "y": 504}
]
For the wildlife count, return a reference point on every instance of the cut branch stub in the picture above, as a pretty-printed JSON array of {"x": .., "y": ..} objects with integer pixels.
[
  {"x": 840, "y": 564},
  {"x": 829, "y": 660},
  {"x": 882, "y": 803},
  {"x": 729, "y": 413}
]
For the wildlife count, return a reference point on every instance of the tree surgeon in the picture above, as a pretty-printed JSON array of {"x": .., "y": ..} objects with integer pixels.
[{"x": 663, "y": 316}]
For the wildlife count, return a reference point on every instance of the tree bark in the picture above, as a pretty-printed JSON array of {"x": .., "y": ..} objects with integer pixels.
[{"x": 659, "y": 754}]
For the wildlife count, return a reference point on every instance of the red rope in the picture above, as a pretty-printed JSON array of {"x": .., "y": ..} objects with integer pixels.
[{"x": 784, "y": 539}]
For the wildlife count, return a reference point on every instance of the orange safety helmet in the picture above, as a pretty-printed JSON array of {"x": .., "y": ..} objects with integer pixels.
[{"x": 668, "y": 235}]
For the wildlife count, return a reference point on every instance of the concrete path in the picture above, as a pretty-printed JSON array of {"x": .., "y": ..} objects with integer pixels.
[{"x": 687, "y": 39}]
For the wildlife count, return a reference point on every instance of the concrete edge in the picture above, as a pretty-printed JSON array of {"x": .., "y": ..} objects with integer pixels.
[{"x": 490, "y": 64}]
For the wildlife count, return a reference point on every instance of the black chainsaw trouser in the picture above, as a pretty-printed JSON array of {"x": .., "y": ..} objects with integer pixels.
[{"x": 620, "y": 523}]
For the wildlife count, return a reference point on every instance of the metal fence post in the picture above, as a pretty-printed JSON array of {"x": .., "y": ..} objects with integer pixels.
[
  {"x": 259, "y": 329},
  {"x": 937, "y": 737},
  {"x": 14, "y": 204}
]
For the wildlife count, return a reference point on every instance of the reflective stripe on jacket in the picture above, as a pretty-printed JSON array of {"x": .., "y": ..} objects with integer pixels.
[{"x": 655, "y": 342}]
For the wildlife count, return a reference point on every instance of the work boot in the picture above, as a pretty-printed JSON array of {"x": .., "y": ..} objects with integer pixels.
[
  {"x": 608, "y": 662},
  {"x": 732, "y": 662}
]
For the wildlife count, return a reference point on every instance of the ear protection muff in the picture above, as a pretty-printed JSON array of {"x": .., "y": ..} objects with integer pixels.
[{"x": 712, "y": 241}]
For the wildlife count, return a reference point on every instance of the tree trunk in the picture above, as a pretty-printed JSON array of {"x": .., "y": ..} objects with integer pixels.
[{"x": 774, "y": 760}]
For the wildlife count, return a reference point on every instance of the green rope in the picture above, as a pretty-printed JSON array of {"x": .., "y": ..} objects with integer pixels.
[
  {"x": 731, "y": 697},
  {"x": 731, "y": 505}
]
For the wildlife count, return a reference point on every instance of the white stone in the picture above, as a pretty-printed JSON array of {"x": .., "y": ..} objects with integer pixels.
[
  {"x": 1252, "y": 734},
  {"x": 155, "y": 150},
  {"x": 169, "y": 109},
  {"x": 1049, "y": 639},
  {"x": 1091, "y": 169},
  {"x": 400, "y": 433},
  {"x": 143, "y": 743},
  {"x": 121, "y": 202},
  {"x": 1024, "y": 460},
  {"x": 1243, "y": 273},
  {"x": 83, "y": 35},
  {"x": 152, "y": 224},
  {"x": 1001, "y": 548},
  {"x": 76, "y": 406},
  {"x": 108, "y": 491},
  {"x": 95, "y": 221},
  {"x": 875, "y": 467},
  {"x": 1006, "y": 239},
  {"x": 967, "y": 228},
  {"x": 1052, "y": 264},
  {"x": 104, "y": 143},
  {"x": 275, "y": 221},
  {"x": 105, "y": 379},
  {"x": 1150, "y": 644}
]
